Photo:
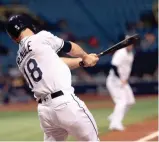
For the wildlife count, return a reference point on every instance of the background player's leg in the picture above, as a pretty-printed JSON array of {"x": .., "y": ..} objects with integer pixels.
[
  {"x": 129, "y": 97},
  {"x": 118, "y": 113},
  {"x": 123, "y": 103},
  {"x": 117, "y": 94},
  {"x": 110, "y": 84}
]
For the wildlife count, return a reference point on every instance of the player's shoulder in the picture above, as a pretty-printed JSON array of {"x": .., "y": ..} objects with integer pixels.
[
  {"x": 121, "y": 52},
  {"x": 44, "y": 33}
]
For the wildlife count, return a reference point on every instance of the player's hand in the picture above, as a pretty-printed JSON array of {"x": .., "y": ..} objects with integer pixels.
[{"x": 90, "y": 60}]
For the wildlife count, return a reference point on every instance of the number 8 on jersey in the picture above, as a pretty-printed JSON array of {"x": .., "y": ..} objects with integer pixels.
[{"x": 34, "y": 71}]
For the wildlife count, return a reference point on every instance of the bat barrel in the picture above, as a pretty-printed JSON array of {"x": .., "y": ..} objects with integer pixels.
[{"x": 120, "y": 45}]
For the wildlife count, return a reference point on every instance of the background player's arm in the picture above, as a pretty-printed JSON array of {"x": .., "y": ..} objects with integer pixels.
[
  {"x": 116, "y": 63},
  {"x": 72, "y": 63},
  {"x": 116, "y": 68}
]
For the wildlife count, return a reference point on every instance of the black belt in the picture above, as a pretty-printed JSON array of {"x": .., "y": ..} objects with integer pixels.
[{"x": 53, "y": 95}]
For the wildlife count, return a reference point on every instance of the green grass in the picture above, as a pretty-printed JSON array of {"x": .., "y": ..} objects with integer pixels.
[{"x": 20, "y": 126}]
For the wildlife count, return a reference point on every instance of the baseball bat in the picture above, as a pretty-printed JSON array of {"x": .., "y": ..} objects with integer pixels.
[{"x": 122, "y": 44}]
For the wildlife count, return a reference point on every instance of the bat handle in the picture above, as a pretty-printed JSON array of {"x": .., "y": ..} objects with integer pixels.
[
  {"x": 100, "y": 54},
  {"x": 81, "y": 64}
]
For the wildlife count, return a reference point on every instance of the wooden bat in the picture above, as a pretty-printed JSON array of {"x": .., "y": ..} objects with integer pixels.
[{"x": 122, "y": 44}]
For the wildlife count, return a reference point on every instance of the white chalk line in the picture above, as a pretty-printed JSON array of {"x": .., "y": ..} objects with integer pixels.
[{"x": 148, "y": 137}]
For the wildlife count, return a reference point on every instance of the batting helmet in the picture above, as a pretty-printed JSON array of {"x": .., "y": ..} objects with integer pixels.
[{"x": 16, "y": 24}]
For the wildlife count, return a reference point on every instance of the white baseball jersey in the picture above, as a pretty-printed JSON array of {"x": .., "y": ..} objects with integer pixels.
[
  {"x": 39, "y": 63},
  {"x": 123, "y": 60}
]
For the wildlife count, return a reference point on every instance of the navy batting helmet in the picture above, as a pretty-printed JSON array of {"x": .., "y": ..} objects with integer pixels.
[{"x": 17, "y": 23}]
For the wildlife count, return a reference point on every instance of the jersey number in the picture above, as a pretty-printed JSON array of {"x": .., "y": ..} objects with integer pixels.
[{"x": 34, "y": 70}]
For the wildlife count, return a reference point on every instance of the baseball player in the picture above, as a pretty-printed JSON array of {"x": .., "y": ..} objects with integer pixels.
[
  {"x": 117, "y": 84},
  {"x": 60, "y": 111}
]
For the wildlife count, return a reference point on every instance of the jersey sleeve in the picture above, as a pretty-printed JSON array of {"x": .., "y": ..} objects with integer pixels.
[
  {"x": 117, "y": 58},
  {"x": 117, "y": 61},
  {"x": 55, "y": 42}
]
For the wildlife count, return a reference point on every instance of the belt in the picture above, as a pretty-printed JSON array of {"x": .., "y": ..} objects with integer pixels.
[{"x": 53, "y": 95}]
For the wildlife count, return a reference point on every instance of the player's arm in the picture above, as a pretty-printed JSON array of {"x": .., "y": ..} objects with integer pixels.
[
  {"x": 75, "y": 50},
  {"x": 72, "y": 63},
  {"x": 72, "y": 49}
]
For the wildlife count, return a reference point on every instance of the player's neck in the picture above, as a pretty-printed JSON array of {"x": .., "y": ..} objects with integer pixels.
[{"x": 26, "y": 33}]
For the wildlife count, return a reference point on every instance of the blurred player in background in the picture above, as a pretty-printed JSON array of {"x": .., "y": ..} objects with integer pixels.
[{"x": 118, "y": 86}]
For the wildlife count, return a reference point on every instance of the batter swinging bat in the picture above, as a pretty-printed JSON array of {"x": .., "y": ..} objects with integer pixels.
[{"x": 124, "y": 43}]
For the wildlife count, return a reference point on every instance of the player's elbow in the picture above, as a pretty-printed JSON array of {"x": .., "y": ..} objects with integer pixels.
[
  {"x": 73, "y": 48},
  {"x": 67, "y": 47}
]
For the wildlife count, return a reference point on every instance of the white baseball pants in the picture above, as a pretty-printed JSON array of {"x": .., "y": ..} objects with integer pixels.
[
  {"x": 122, "y": 97},
  {"x": 64, "y": 115}
]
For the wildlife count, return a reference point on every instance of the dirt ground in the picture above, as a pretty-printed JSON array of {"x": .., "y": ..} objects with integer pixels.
[{"x": 132, "y": 132}]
